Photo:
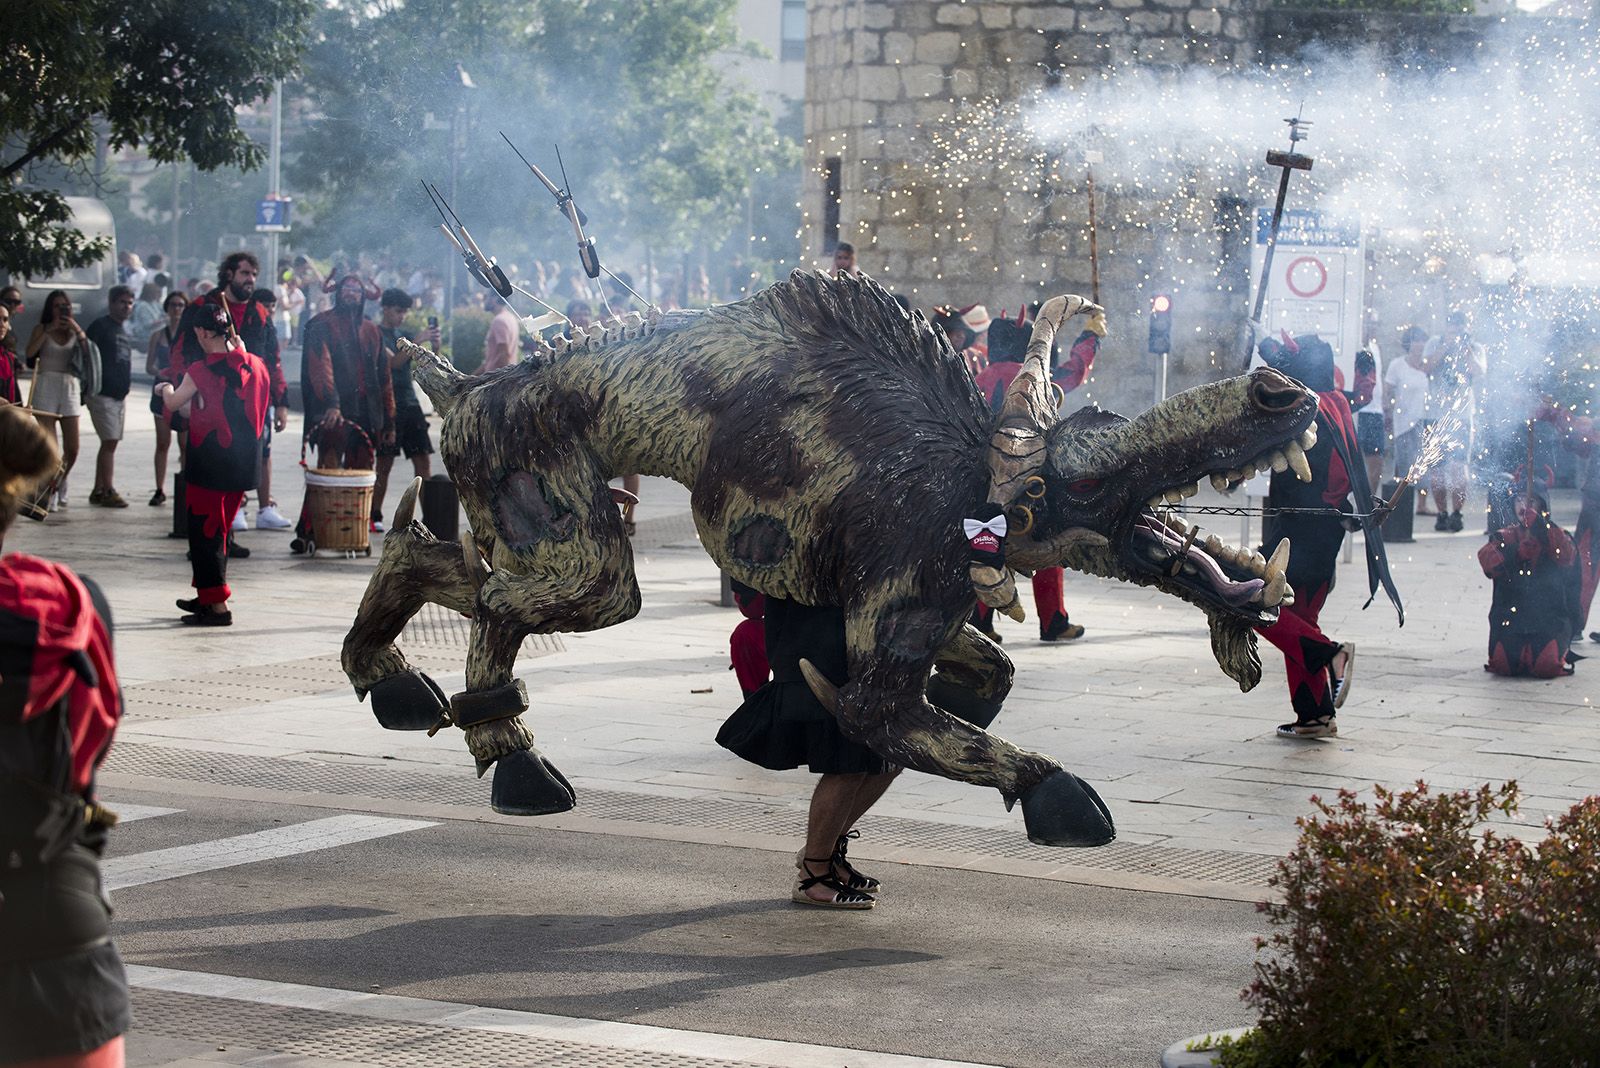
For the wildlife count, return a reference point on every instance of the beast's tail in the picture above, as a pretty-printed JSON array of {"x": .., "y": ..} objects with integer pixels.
[{"x": 436, "y": 375}]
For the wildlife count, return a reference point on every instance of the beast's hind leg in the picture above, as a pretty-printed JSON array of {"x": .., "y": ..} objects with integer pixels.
[
  {"x": 560, "y": 563},
  {"x": 415, "y": 568}
]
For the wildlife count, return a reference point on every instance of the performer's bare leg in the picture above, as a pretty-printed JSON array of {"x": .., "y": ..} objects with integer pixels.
[{"x": 837, "y": 803}]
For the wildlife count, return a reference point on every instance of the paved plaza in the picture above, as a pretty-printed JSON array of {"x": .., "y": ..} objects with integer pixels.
[{"x": 303, "y": 888}]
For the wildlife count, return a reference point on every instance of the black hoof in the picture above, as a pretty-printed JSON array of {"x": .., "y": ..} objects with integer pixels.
[
  {"x": 526, "y": 784},
  {"x": 1063, "y": 810},
  {"x": 407, "y": 701}
]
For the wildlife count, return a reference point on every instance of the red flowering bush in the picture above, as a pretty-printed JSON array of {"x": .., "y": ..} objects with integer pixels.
[{"x": 1405, "y": 938}]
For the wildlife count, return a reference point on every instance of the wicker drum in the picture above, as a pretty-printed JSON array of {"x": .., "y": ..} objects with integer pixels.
[{"x": 339, "y": 503}]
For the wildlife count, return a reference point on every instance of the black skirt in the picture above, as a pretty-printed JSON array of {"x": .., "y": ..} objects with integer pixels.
[{"x": 783, "y": 725}]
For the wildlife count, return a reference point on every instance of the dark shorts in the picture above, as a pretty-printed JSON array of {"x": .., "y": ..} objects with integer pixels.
[
  {"x": 1369, "y": 433},
  {"x": 410, "y": 434}
]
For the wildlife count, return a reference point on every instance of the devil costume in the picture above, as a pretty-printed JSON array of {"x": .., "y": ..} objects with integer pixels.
[
  {"x": 63, "y": 991},
  {"x": 1315, "y": 529},
  {"x": 224, "y": 461},
  {"x": 345, "y": 368},
  {"x": 1536, "y": 609}
]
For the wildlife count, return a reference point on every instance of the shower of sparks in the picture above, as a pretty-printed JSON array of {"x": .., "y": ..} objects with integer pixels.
[
  {"x": 1447, "y": 433},
  {"x": 1474, "y": 184}
]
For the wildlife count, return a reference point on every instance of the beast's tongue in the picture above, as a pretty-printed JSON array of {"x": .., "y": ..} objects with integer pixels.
[{"x": 1235, "y": 593}]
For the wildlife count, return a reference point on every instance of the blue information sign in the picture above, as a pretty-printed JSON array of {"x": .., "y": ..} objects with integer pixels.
[{"x": 272, "y": 216}]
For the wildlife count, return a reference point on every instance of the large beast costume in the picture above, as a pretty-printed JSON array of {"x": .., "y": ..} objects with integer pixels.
[{"x": 834, "y": 446}]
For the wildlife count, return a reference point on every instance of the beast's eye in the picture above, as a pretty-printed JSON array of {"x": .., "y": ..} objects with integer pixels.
[{"x": 1084, "y": 486}]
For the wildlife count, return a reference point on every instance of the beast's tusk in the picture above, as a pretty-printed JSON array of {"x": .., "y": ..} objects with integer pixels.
[
  {"x": 822, "y": 686},
  {"x": 408, "y": 504}
]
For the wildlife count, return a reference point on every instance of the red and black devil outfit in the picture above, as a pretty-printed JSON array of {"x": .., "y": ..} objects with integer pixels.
[
  {"x": 224, "y": 463},
  {"x": 254, "y": 325},
  {"x": 1008, "y": 343},
  {"x": 1536, "y": 607},
  {"x": 63, "y": 991},
  {"x": 345, "y": 368},
  {"x": 1316, "y": 528}
]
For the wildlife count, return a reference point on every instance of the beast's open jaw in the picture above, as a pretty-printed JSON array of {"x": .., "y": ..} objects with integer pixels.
[{"x": 1238, "y": 578}]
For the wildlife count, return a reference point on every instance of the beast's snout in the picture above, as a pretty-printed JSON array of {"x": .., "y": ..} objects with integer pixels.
[{"x": 1273, "y": 391}]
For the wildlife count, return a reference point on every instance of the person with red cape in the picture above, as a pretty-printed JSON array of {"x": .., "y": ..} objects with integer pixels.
[{"x": 229, "y": 389}]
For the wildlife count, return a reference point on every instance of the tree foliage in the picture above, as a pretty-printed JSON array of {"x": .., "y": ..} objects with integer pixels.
[
  {"x": 659, "y": 147},
  {"x": 165, "y": 74}
]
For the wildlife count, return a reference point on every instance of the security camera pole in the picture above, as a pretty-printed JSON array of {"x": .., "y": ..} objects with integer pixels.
[{"x": 1287, "y": 162}]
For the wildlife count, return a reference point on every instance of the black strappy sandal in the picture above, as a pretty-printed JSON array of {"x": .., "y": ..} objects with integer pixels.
[
  {"x": 843, "y": 896},
  {"x": 865, "y": 884}
]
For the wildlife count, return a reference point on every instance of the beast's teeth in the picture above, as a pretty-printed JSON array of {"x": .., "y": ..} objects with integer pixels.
[
  {"x": 1258, "y": 563},
  {"x": 1172, "y": 496},
  {"x": 1190, "y": 490},
  {"x": 1236, "y": 475},
  {"x": 1157, "y": 502},
  {"x": 1219, "y": 483},
  {"x": 1288, "y": 597},
  {"x": 1272, "y": 592},
  {"x": 1178, "y": 524},
  {"x": 1248, "y": 470},
  {"x": 1278, "y": 462},
  {"x": 1280, "y": 559},
  {"x": 1298, "y": 461},
  {"x": 1214, "y": 544},
  {"x": 1308, "y": 436}
]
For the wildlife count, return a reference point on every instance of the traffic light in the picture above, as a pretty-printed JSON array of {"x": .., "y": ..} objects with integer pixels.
[{"x": 1161, "y": 325}]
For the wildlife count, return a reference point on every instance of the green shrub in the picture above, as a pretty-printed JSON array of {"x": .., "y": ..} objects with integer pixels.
[
  {"x": 1405, "y": 939},
  {"x": 466, "y": 330}
]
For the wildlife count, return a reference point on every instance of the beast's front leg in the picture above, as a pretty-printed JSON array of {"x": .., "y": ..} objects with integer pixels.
[
  {"x": 415, "y": 568},
  {"x": 882, "y": 707},
  {"x": 971, "y": 677}
]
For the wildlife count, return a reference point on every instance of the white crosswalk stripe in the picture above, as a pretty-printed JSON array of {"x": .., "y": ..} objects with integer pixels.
[{"x": 159, "y": 864}]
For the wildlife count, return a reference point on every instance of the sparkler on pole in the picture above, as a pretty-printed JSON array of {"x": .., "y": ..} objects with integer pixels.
[
  {"x": 1287, "y": 162},
  {"x": 1090, "y": 159}
]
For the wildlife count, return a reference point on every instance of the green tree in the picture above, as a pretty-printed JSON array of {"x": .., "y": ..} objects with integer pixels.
[
  {"x": 165, "y": 74},
  {"x": 660, "y": 148}
]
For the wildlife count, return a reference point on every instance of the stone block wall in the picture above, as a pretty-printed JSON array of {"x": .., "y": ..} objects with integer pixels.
[{"x": 885, "y": 77}]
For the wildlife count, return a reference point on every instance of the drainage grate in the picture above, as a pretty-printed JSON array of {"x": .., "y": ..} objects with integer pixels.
[
  {"x": 667, "y": 530},
  {"x": 435, "y": 633},
  {"x": 231, "y": 769},
  {"x": 238, "y": 687},
  {"x": 435, "y": 627},
  {"x": 343, "y": 1037}
]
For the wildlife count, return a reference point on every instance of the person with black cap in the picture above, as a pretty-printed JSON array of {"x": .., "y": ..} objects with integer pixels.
[{"x": 230, "y": 390}]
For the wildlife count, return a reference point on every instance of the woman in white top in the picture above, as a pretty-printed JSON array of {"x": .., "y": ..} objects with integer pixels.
[{"x": 57, "y": 347}]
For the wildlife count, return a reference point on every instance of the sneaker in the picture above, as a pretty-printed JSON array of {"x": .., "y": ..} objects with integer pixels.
[
  {"x": 158, "y": 498},
  {"x": 269, "y": 518},
  {"x": 61, "y": 503},
  {"x": 237, "y": 551},
  {"x": 1441, "y": 523},
  {"x": 238, "y": 520},
  {"x": 1455, "y": 522},
  {"x": 209, "y": 619},
  {"x": 375, "y": 526},
  {"x": 1061, "y": 631},
  {"x": 1321, "y": 727}
]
